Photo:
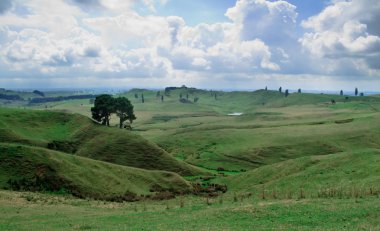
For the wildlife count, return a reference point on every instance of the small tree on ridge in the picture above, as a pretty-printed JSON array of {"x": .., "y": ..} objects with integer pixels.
[
  {"x": 124, "y": 110},
  {"x": 104, "y": 106}
]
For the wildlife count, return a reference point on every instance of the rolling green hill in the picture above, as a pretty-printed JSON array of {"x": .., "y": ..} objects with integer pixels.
[
  {"x": 268, "y": 135},
  {"x": 356, "y": 170},
  {"x": 292, "y": 163},
  {"x": 78, "y": 135},
  {"x": 273, "y": 128},
  {"x": 32, "y": 168}
]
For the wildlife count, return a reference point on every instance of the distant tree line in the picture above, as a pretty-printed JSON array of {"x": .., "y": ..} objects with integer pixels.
[
  {"x": 10, "y": 97},
  {"x": 60, "y": 98},
  {"x": 286, "y": 93},
  {"x": 106, "y": 105}
]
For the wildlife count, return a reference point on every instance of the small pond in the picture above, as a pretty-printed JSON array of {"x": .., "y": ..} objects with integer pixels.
[{"x": 236, "y": 114}]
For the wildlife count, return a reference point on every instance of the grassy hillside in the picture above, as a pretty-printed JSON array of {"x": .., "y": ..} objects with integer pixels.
[
  {"x": 273, "y": 128},
  {"x": 248, "y": 145},
  {"x": 31, "y": 168},
  {"x": 78, "y": 135},
  {"x": 346, "y": 171}
]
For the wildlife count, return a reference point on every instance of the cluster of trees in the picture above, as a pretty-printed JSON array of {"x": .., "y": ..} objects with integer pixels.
[
  {"x": 299, "y": 91},
  {"x": 183, "y": 97},
  {"x": 105, "y": 105},
  {"x": 286, "y": 91}
]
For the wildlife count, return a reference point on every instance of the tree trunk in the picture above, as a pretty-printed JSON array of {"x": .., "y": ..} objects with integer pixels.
[{"x": 107, "y": 121}]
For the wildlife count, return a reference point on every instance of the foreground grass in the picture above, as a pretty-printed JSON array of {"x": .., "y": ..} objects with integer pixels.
[{"x": 31, "y": 211}]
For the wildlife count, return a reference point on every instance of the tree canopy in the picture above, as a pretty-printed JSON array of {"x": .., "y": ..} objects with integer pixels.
[
  {"x": 124, "y": 110},
  {"x": 105, "y": 105}
]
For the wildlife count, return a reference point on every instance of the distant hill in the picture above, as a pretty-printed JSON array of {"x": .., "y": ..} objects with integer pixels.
[{"x": 60, "y": 98}]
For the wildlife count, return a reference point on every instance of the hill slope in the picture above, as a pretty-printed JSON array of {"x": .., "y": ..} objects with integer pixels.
[
  {"x": 272, "y": 128},
  {"x": 358, "y": 169},
  {"x": 78, "y": 135},
  {"x": 32, "y": 168}
]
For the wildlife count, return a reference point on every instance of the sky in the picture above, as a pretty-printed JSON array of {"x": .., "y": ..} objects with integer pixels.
[{"x": 211, "y": 44}]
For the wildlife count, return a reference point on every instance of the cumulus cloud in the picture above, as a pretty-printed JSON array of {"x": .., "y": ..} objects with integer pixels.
[
  {"x": 272, "y": 22},
  {"x": 214, "y": 48},
  {"x": 83, "y": 52},
  {"x": 205, "y": 47},
  {"x": 130, "y": 44},
  {"x": 131, "y": 30},
  {"x": 32, "y": 48},
  {"x": 56, "y": 16},
  {"x": 108, "y": 38},
  {"x": 347, "y": 31}
]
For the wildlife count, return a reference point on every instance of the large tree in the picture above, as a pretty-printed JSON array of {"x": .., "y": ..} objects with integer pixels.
[
  {"x": 104, "y": 106},
  {"x": 124, "y": 110}
]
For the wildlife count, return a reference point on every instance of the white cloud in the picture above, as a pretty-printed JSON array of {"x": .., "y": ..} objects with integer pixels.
[
  {"x": 272, "y": 22},
  {"x": 131, "y": 30},
  {"x": 207, "y": 47},
  {"x": 79, "y": 52},
  {"x": 341, "y": 32},
  {"x": 107, "y": 38},
  {"x": 56, "y": 16},
  {"x": 125, "y": 43}
]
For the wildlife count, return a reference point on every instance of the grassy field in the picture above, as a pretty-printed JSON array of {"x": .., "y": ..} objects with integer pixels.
[
  {"x": 19, "y": 212},
  {"x": 296, "y": 162}
]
